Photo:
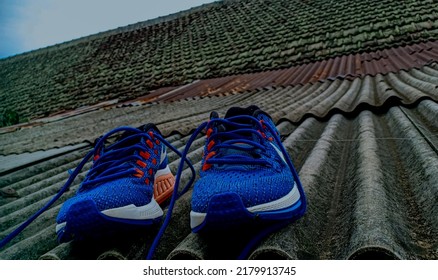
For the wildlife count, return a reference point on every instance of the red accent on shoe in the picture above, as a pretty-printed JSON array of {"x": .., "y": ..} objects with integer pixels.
[
  {"x": 209, "y": 132},
  {"x": 207, "y": 166},
  {"x": 142, "y": 164},
  {"x": 145, "y": 155},
  {"x": 139, "y": 173},
  {"x": 149, "y": 143},
  {"x": 210, "y": 145}
]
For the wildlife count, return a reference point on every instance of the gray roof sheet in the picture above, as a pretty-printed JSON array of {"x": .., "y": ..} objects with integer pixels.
[{"x": 371, "y": 181}]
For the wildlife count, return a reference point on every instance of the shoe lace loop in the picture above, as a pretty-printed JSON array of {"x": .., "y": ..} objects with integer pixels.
[
  {"x": 119, "y": 159},
  {"x": 244, "y": 137}
]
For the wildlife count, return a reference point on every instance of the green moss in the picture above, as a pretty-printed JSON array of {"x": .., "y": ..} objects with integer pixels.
[{"x": 9, "y": 117}]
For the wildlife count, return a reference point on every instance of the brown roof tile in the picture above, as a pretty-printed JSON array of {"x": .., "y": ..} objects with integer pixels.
[
  {"x": 293, "y": 103},
  {"x": 343, "y": 67}
]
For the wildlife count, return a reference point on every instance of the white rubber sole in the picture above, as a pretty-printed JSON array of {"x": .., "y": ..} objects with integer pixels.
[
  {"x": 164, "y": 171},
  {"x": 197, "y": 218},
  {"x": 149, "y": 211}
]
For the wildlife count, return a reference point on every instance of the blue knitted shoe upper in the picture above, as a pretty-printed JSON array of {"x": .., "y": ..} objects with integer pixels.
[
  {"x": 122, "y": 173},
  {"x": 114, "y": 194},
  {"x": 240, "y": 156}
]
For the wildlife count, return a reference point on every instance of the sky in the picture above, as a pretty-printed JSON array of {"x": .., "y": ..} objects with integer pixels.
[{"x": 31, "y": 24}]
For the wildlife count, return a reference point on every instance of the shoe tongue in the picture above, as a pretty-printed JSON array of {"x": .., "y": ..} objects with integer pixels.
[
  {"x": 234, "y": 112},
  {"x": 237, "y": 111},
  {"x": 231, "y": 151},
  {"x": 149, "y": 126},
  {"x": 136, "y": 140},
  {"x": 235, "y": 154},
  {"x": 144, "y": 128}
]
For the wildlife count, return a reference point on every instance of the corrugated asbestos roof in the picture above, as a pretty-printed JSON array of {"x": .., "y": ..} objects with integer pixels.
[
  {"x": 357, "y": 113},
  {"x": 371, "y": 182}
]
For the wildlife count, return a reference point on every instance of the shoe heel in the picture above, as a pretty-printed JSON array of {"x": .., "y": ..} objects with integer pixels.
[
  {"x": 291, "y": 213},
  {"x": 163, "y": 185},
  {"x": 84, "y": 221},
  {"x": 225, "y": 211}
]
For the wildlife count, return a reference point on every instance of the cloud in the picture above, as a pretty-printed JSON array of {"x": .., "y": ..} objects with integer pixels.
[
  {"x": 8, "y": 39},
  {"x": 37, "y": 24}
]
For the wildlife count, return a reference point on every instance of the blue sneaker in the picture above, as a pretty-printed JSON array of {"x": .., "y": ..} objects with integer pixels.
[
  {"x": 123, "y": 189},
  {"x": 247, "y": 176}
]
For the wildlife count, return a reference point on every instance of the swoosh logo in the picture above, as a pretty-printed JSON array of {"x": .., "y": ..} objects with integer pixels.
[
  {"x": 163, "y": 154},
  {"x": 278, "y": 152}
]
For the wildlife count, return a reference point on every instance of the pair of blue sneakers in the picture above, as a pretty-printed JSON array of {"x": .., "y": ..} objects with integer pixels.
[{"x": 246, "y": 178}]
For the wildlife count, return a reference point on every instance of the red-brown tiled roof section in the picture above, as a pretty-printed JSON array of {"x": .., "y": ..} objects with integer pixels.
[{"x": 341, "y": 67}]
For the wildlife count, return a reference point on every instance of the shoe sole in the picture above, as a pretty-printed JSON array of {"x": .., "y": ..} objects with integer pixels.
[
  {"x": 226, "y": 211},
  {"x": 85, "y": 221}
]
